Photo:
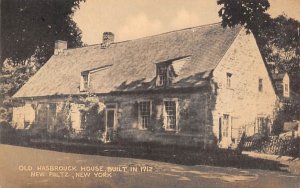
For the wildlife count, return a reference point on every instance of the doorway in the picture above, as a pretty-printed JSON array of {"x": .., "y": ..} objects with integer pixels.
[
  {"x": 225, "y": 130},
  {"x": 110, "y": 124}
]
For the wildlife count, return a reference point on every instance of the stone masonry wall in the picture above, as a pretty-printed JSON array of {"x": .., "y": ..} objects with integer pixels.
[
  {"x": 242, "y": 100},
  {"x": 194, "y": 120}
]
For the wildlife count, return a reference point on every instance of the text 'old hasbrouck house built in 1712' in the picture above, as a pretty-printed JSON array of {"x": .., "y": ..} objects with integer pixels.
[{"x": 201, "y": 86}]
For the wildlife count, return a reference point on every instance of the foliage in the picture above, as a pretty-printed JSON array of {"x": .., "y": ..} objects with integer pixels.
[
  {"x": 64, "y": 116},
  {"x": 90, "y": 102},
  {"x": 281, "y": 40},
  {"x": 7, "y": 133},
  {"x": 278, "y": 38},
  {"x": 92, "y": 110},
  {"x": 280, "y": 43},
  {"x": 275, "y": 145},
  {"x": 287, "y": 113},
  {"x": 28, "y": 31},
  {"x": 29, "y": 28},
  {"x": 248, "y": 13},
  {"x": 11, "y": 79}
]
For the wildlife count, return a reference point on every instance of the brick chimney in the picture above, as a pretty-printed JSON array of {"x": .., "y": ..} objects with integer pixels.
[
  {"x": 60, "y": 46},
  {"x": 108, "y": 38}
]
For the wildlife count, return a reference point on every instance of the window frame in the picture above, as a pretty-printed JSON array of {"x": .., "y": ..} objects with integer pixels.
[
  {"x": 165, "y": 115},
  {"x": 260, "y": 85},
  {"x": 140, "y": 116},
  {"x": 165, "y": 81},
  {"x": 85, "y": 83},
  {"x": 261, "y": 126},
  {"x": 228, "y": 80},
  {"x": 226, "y": 127},
  {"x": 286, "y": 88},
  {"x": 111, "y": 107},
  {"x": 83, "y": 120}
]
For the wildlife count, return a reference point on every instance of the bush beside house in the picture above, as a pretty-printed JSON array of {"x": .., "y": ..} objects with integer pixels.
[{"x": 276, "y": 145}]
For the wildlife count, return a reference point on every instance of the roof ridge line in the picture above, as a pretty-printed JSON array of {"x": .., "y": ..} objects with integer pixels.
[
  {"x": 183, "y": 29},
  {"x": 167, "y": 32}
]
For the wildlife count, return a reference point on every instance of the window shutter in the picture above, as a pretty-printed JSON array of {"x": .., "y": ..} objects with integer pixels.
[{"x": 135, "y": 110}]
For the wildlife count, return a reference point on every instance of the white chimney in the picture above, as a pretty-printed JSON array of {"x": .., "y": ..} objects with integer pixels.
[{"x": 60, "y": 46}]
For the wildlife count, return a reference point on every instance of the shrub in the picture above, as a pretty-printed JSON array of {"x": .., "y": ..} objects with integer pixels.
[{"x": 7, "y": 133}]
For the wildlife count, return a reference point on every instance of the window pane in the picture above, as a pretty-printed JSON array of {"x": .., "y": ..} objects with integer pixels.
[
  {"x": 286, "y": 87},
  {"x": 260, "y": 84},
  {"x": 162, "y": 73},
  {"x": 85, "y": 81},
  {"x": 229, "y": 79},
  {"x": 144, "y": 110},
  {"x": 170, "y": 108},
  {"x": 83, "y": 120}
]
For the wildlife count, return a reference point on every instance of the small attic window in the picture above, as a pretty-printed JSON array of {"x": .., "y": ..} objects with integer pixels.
[
  {"x": 286, "y": 90},
  {"x": 167, "y": 70},
  {"x": 84, "y": 84},
  {"x": 86, "y": 74},
  {"x": 162, "y": 75},
  {"x": 286, "y": 85}
]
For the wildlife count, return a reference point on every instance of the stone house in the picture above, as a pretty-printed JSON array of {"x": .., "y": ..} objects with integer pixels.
[
  {"x": 281, "y": 80},
  {"x": 288, "y": 98},
  {"x": 203, "y": 86}
]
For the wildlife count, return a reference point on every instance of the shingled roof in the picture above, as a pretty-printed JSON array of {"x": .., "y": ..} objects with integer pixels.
[{"x": 132, "y": 64}]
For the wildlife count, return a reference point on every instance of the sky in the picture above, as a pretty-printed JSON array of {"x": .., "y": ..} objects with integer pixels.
[{"x": 130, "y": 19}]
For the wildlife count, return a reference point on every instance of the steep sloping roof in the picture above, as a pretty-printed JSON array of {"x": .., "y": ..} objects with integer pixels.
[{"x": 133, "y": 62}]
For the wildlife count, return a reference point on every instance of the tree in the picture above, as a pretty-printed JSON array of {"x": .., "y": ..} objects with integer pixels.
[
  {"x": 249, "y": 13},
  {"x": 30, "y": 27},
  {"x": 11, "y": 79},
  {"x": 28, "y": 31},
  {"x": 252, "y": 15},
  {"x": 282, "y": 46},
  {"x": 277, "y": 38}
]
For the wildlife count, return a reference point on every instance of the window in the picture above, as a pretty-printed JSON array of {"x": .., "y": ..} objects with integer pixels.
[
  {"x": 228, "y": 83},
  {"x": 85, "y": 81},
  {"x": 260, "y": 85},
  {"x": 162, "y": 75},
  {"x": 262, "y": 124},
  {"x": 144, "y": 114},
  {"x": 286, "y": 92},
  {"x": 83, "y": 120},
  {"x": 167, "y": 70},
  {"x": 170, "y": 115},
  {"x": 286, "y": 88}
]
